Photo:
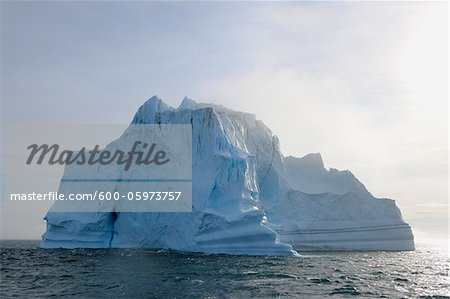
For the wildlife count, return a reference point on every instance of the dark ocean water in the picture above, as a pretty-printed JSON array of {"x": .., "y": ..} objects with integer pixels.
[{"x": 31, "y": 272}]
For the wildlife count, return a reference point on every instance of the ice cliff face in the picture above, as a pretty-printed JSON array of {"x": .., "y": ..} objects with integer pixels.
[{"x": 247, "y": 198}]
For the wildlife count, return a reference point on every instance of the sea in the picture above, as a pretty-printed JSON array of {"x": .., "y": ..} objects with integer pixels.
[{"x": 28, "y": 271}]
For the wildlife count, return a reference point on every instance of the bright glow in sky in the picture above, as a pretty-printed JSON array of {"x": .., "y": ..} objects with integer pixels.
[{"x": 363, "y": 83}]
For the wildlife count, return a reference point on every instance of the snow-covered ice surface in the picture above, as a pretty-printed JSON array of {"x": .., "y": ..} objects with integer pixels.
[{"x": 247, "y": 198}]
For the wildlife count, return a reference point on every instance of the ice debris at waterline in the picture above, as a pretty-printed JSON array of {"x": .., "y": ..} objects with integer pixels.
[{"x": 247, "y": 198}]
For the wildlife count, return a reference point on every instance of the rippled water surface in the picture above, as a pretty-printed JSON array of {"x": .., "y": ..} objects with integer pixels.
[{"x": 28, "y": 271}]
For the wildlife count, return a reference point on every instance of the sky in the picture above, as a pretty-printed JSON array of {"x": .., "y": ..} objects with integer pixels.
[{"x": 363, "y": 83}]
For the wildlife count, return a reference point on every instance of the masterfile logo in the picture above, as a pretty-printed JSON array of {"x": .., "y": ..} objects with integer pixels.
[
  {"x": 96, "y": 168},
  {"x": 145, "y": 156}
]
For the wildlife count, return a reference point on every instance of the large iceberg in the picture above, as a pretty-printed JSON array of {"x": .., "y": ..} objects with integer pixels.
[{"x": 247, "y": 198}]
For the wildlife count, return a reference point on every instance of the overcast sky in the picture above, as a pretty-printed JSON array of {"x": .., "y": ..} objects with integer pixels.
[{"x": 363, "y": 83}]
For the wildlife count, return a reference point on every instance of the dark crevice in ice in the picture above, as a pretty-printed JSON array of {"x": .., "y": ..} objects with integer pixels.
[{"x": 114, "y": 215}]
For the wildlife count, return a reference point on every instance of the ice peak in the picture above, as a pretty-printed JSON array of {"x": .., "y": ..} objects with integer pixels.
[
  {"x": 311, "y": 161},
  {"x": 314, "y": 159},
  {"x": 154, "y": 104},
  {"x": 188, "y": 103},
  {"x": 149, "y": 109}
]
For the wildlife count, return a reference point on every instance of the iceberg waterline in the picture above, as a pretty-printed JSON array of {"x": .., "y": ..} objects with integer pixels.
[{"x": 247, "y": 198}]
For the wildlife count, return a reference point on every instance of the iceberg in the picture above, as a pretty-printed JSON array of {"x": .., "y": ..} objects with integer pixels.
[{"x": 247, "y": 198}]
